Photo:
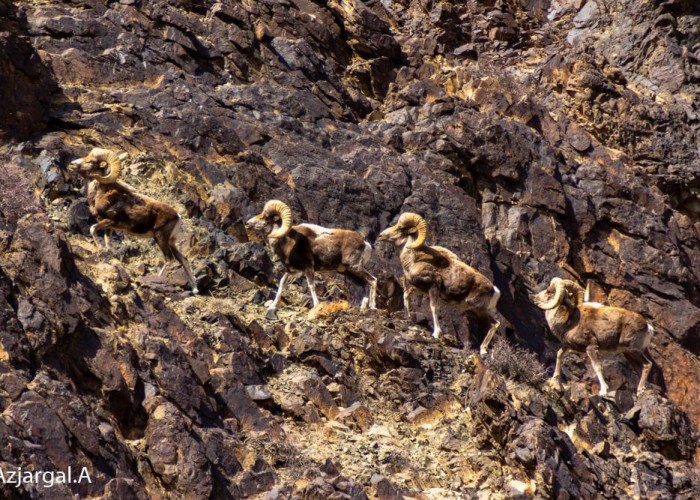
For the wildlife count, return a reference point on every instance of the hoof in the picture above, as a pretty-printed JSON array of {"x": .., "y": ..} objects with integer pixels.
[
  {"x": 195, "y": 291},
  {"x": 555, "y": 384},
  {"x": 483, "y": 352},
  {"x": 364, "y": 303},
  {"x": 436, "y": 335},
  {"x": 271, "y": 314}
]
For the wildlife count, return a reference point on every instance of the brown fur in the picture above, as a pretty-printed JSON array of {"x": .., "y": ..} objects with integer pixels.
[
  {"x": 593, "y": 328},
  {"x": 612, "y": 329},
  {"x": 458, "y": 283},
  {"x": 440, "y": 273},
  {"x": 116, "y": 205},
  {"x": 309, "y": 248}
]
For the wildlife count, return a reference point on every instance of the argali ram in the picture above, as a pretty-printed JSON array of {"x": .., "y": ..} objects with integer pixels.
[
  {"x": 308, "y": 248},
  {"x": 591, "y": 327},
  {"x": 116, "y": 206},
  {"x": 439, "y": 273}
]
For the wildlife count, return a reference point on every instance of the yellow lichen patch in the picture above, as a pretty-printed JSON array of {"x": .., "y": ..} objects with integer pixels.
[
  {"x": 615, "y": 154},
  {"x": 614, "y": 240},
  {"x": 4, "y": 356},
  {"x": 154, "y": 82},
  {"x": 325, "y": 309},
  {"x": 279, "y": 171}
]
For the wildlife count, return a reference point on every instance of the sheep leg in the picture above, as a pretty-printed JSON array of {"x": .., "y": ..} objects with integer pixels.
[
  {"x": 310, "y": 279},
  {"x": 592, "y": 352},
  {"x": 491, "y": 311},
  {"x": 556, "y": 378},
  {"x": 640, "y": 358},
  {"x": 102, "y": 225},
  {"x": 165, "y": 240},
  {"x": 162, "y": 269},
  {"x": 371, "y": 283},
  {"x": 108, "y": 236},
  {"x": 483, "y": 350},
  {"x": 372, "y": 292},
  {"x": 188, "y": 270},
  {"x": 646, "y": 368},
  {"x": 407, "y": 291},
  {"x": 434, "y": 296},
  {"x": 270, "y": 314}
]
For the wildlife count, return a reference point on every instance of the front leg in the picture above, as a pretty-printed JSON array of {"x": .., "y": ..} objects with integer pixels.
[
  {"x": 310, "y": 280},
  {"x": 103, "y": 225},
  {"x": 555, "y": 381},
  {"x": 407, "y": 291},
  {"x": 271, "y": 314},
  {"x": 434, "y": 297}
]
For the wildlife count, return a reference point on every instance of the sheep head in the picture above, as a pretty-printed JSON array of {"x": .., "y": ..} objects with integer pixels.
[
  {"x": 410, "y": 228},
  {"x": 274, "y": 221},
  {"x": 100, "y": 164},
  {"x": 559, "y": 289}
]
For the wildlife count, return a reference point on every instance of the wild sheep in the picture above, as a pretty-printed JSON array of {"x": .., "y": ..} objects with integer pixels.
[
  {"x": 308, "y": 248},
  {"x": 116, "y": 205},
  {"x": 592, "y": 327},
  {"x": 439, "y": 273}
]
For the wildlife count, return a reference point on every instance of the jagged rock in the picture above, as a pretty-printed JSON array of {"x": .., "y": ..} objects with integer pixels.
[{"x": 80, "y": 218}]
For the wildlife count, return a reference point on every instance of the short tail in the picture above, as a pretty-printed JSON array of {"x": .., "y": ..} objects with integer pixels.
[
  {"x": 494, "y": 298},
  {"x": 649, "y": 335},
  {"x": 366, "y": 254}
]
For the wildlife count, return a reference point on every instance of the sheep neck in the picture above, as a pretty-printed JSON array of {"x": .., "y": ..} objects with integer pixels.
[{"x": 562, "y": 319}]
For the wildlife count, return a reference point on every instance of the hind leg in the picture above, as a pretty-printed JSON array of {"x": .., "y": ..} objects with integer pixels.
[
  {"x": 371, "y": 284},
  {"x": 592, "y": 352},
  {"x": 166, "y": 243},
  {"x": 491, "y": 311},
  {"x": 311, "y": 281},
  {"x": 641, "y": 358}
]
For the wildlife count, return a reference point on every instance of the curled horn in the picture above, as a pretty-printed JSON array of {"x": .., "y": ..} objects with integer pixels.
[
  {"x": 574, "y": 289},
  {"x": 558, "y": 285},
  {"x": 113, "y": 162},
  {"x": 285, "y": 214},
  {"x": 421, "y": 228}
]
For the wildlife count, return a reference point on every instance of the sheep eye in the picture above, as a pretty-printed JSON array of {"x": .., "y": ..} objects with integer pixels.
[{"x": 103, "y": 164}]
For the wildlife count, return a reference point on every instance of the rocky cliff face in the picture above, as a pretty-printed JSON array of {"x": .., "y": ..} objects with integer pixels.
[{"x": 539, "y": 139}]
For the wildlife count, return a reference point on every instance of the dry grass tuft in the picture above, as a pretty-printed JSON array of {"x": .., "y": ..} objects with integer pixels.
[
  {"x": 516, "y": 363},
  {"x": 17, "y": 197}
]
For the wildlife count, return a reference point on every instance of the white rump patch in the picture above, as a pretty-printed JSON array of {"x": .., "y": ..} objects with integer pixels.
[
  {"x": 319, "y": 230},
  {"x": 594, "y": 305}
]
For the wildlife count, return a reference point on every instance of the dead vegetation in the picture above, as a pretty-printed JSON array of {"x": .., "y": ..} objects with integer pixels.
[
  {"x": 17, "y": 197},
  {"x": 516, "y": 363}
]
